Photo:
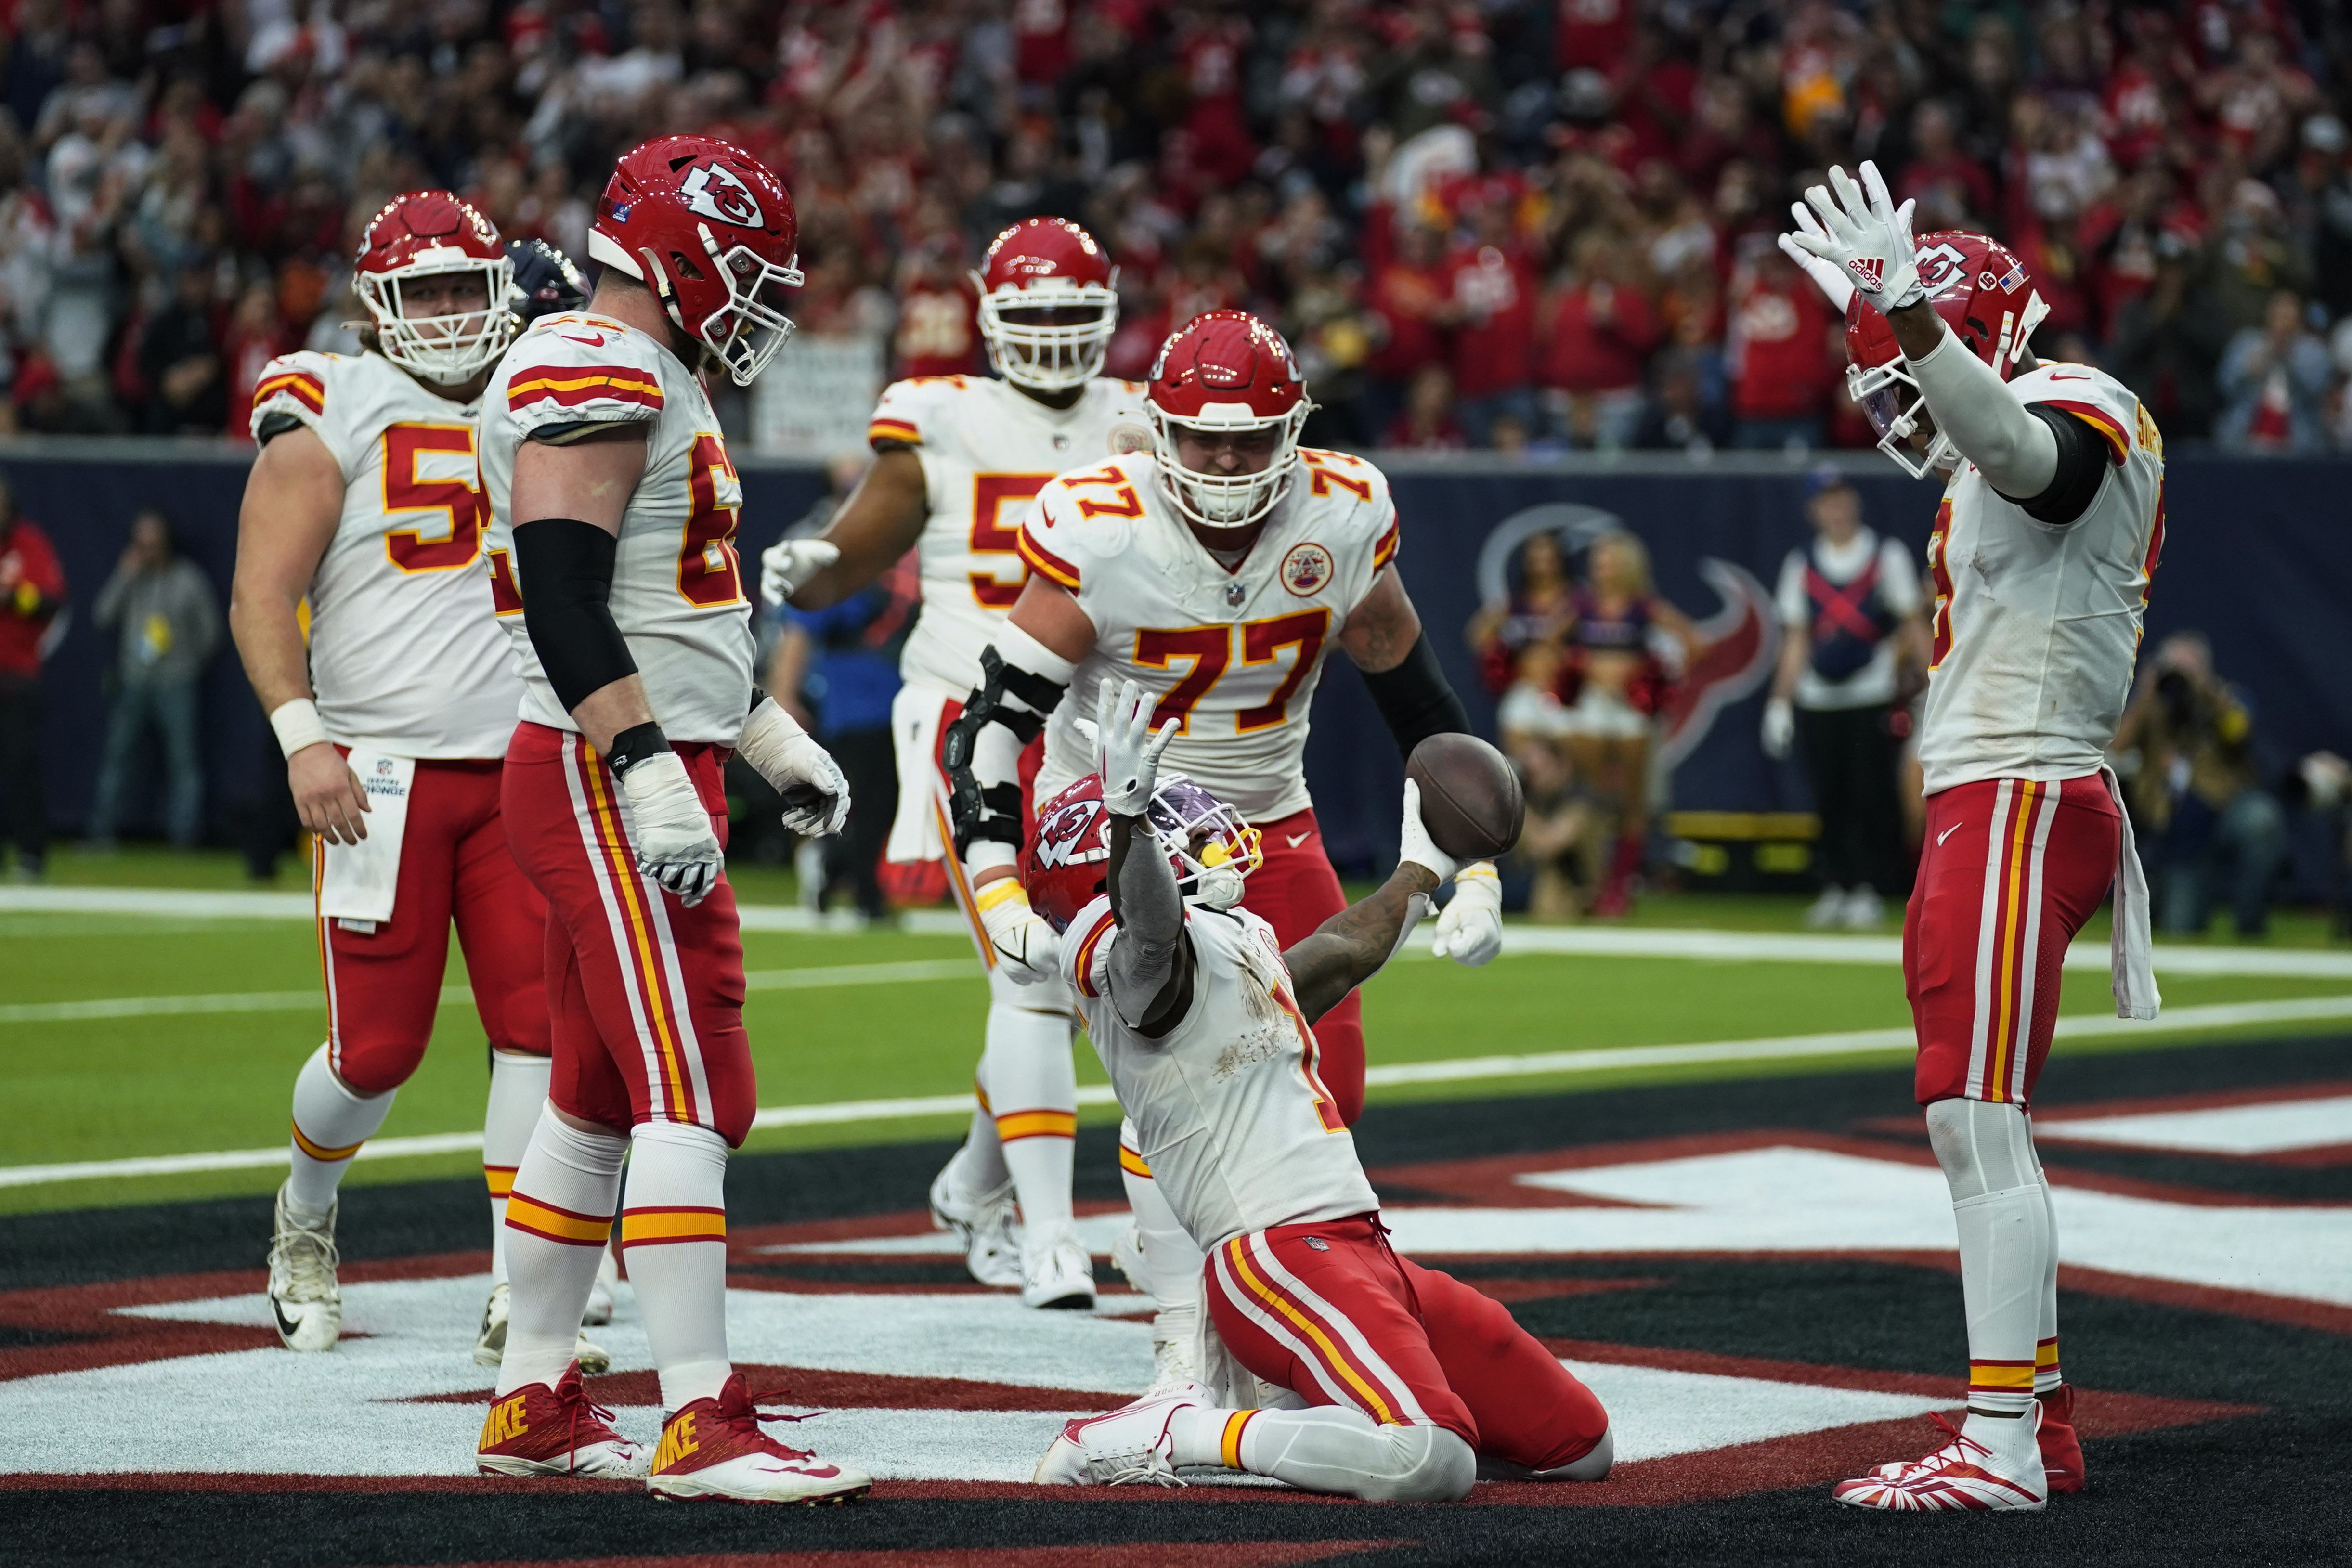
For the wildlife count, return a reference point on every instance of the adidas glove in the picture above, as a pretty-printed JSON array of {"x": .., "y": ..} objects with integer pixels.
[{"x": 669, "y": 830}]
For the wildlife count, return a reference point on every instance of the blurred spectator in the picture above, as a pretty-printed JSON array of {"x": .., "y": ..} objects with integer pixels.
[
  {"x": 181, "y": 363},
  {"x": 167, "y": 626},
  {"x": 1853, "y": 649},
  {"x": 2168, "y": 343},
  {"x": 1491, "y": 309},
  {"x": 1781, "y": 354},
  {"x": 1598, "y": 328},
  {"x": 2187, "y": 741},
  {"x": 32, "y": 594},
  {"x": 2273, "y": 378},
  {"x": 1427, "y": 423},
  {"x": 1537, "y": 608},
  {"x": 1562, "y": 846}
]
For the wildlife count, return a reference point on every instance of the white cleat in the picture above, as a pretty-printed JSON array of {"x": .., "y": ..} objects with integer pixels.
[
  {"x": 983, "y": 1224},
  {"x": 1174, "y": 1366},
  {"x": 304, "y": 1298},
  {"x": 713, "y": 1450},
  {"x": 600, "y": 1294},
  {"x": 1056, "y": 1271},
  {"x": 1963, "y": 1476},
  {"x": 1828, "y": 911},
  {"x": 490, "y": 1344},
  {"x": 1130, "y": 1446},
  {"x": 1864, "y": 911}
]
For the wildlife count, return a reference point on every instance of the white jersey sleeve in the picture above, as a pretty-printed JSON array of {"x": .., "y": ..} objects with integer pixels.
[
  {"x": 405, "y": 655},
  {"x": 1234, "y": 653},
  {"x": 2037, "y": 625},
  {"x": 678, "y": 589},
  {"x": 1229, "y": 1112}
]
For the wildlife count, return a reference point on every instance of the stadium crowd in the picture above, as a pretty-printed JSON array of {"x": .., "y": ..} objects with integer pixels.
[{"x": 1485, "y": 222}]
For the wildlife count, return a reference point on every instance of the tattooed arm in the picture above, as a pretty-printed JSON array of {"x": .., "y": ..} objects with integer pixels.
[{"x": 1350, "y": 948}]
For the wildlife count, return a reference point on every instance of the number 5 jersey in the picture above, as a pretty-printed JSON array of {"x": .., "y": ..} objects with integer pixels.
[{"x": 677, "y": 586}]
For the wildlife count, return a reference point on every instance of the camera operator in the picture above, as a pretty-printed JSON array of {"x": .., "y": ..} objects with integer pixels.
[{"x": 2186, "y": 743}]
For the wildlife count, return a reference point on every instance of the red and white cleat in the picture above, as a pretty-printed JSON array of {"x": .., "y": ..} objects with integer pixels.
[
  {"x": 2062, "y": 1451},
  {"x": 714, "y": 1450},
  {"x": 1130, "y": 1446},
  {"x": 1961, "y": 1476},
  {"x": 539, "y": 1430}
]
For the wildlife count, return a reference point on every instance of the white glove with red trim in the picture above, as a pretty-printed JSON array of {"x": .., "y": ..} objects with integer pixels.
[{"x": 1866, "y": 236}]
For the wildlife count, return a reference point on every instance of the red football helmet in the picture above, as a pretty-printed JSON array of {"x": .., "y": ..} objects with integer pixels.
[
  {"x": 1067, "y": 858},
  {"x": 711, "y": 231},
  {"x": 1982, "y": 293},
  {"x": 1040, "y": 265},
  {"x": 432, "y": 233},
  {"x": 1227, "y": 371}
]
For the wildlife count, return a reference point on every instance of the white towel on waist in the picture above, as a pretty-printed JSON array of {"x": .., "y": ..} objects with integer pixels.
[
  {"x": 357, "y": 881},
  {"x": 2130, "y": 949}
]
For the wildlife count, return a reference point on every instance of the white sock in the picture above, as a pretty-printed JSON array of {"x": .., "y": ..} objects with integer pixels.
[
  {"x": 1033, "y": 1091},
  {"x": 674, "y": 1229},
  {"x": 559, "y": 1216},
  {"x": 1328, "y": 1448},
  {"x": 978, "y": 1165},
  {"x": 518, "y": 1091},
  {"x": 331, "y": 1122},
  {"x": 1173, "y": 1261},
  {"x": 2049, "y": 1375}
]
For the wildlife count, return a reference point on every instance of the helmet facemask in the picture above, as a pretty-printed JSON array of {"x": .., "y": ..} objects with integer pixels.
[
  {"x": 1877, "y": 391},
  {"x": 1047, "y": 356},
  {"x": 1228, "y": 500},
  {"x": 445, "y": 350},
  {"x": 749, "y": 331},
  {"x": 1210, "y": 848}
]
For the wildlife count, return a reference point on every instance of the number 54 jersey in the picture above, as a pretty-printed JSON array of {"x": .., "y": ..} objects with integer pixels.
[
  {"x": 404, "y": 654},
  {"x": 677, "y": 586},
  {"x": 1233, "y": 651},
  {"x": 986, "y": 450}
]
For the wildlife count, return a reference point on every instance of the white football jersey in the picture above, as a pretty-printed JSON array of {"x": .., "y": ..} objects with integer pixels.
[
  {"x": 405, "y": 654},
  {"x": 2037, "y": 625},
  {"x": 1239, "y": 1132},
  {"x": 678, "y": 585},
  {"x": 1234, "y": 653},
  {"x": 987, "y": 448}
]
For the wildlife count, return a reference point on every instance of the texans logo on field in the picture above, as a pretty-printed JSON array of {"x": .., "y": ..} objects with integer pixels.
[
  {"x": 1067, "y": 836},
  {"x": 1306, "y": 570},
  {"x": 714, "y": 190}
]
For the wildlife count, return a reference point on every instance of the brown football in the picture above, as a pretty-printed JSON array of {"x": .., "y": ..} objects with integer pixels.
[{"x": 1470, "y": 798}]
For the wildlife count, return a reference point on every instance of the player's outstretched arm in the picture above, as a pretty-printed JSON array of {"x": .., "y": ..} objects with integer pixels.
[
  {"x": 1150, "y": 978},
  {"x": 879, "y": 523},
  {"x": 1350, "y": 948},
  {"x": 293, "y": 500}
]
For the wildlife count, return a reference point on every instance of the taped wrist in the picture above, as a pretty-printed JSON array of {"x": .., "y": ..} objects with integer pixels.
[
  {"x": 1415, "y": 700},
  {"x": 634, "y": 744},
  {"x": 569, "y": 565},
  {"x": 1020, "y": 682}
]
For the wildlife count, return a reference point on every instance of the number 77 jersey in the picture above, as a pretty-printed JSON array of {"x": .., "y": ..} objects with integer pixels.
[
  {"x": 678, "y": 584},
  {"x": 1234, "y": 653}
]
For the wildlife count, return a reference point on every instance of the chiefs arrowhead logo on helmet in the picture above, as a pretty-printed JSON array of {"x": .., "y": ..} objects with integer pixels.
[
  {"x": 1062, "y": 836},
  {"x": 714, "y": 190}
]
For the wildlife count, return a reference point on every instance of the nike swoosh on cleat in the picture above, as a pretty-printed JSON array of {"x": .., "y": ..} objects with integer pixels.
[
  {"x": 286, "y": 1329},
  {"x": 1947, "y": 832}
]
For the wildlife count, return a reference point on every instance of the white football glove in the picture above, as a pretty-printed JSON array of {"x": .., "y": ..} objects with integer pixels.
[
  {"x": 1126, "y": 751},
  {"x": 669, "y": 831},
  {"x": 1027, "y": 949},
  {"x": 1780, "y": 727},
  {"x": 816, "y": 797},
  {"x": 1866, "y": 236},
  {"x": 1470, "y": 927},
  {"x": 788, "y": 563},
  {"x": 1413, "y": 842}
]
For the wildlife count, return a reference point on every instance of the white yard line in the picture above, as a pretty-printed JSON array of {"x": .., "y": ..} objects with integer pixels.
[{"x": 1852, "y": 1042}]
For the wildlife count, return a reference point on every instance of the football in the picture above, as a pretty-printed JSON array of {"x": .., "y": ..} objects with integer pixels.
[{"x": 1470, "y": 797}]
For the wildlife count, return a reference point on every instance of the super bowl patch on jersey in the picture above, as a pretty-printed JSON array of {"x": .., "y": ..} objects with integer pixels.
[
  {"x": 1306, "y": 570},
  {"x": 1129, "y": 436}
]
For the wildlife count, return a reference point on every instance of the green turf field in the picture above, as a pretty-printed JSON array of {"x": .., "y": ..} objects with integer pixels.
[{"x": 185, "y": 1082}]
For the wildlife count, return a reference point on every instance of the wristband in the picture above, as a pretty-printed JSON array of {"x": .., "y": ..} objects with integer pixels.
[
  {"x": 297, "y": 723},
  {"x": 634, "y": 744}
]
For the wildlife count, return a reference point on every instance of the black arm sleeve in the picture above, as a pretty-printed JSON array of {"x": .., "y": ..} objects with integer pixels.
[
  {"x": 2083, "y": 462},
  {"x": 1415, "y": 700},
  {"x": 569, "y": 565}
]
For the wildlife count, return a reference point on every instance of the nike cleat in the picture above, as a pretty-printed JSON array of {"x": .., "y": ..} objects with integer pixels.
[
  {"x": 1056, "y": 1271},
  {"x": 539, "y": 1430},
  {"x": 304, "y": 1298},
  {"x": 1130, "y": 1446},
  {"x": 490, "y": 1342},
  {"x": 713, "y": 1450},
  {"x": 1963, "y": 1476},
  {"x": 984, "y": 1227}
]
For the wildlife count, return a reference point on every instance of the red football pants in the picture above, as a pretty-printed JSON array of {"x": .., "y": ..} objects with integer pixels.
[
  {"x": 1295, "y": 892},
  {"x": 2009, "y": 871},
  {"x": 385, "y": 986},
  {"x": 644, "y": 995},
  {"x": 1328, "y": 1311}
]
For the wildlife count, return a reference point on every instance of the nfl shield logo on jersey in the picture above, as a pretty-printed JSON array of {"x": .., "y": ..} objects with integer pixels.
[{"x": 1306, "y": 570}]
